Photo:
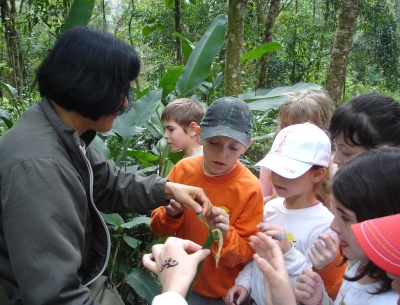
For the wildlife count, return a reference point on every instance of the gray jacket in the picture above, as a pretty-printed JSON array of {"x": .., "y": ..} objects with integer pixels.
[{"x": 53, "y": 241}]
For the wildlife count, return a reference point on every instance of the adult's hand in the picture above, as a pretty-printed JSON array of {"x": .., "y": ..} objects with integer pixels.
[
  {"x": 173, "y": 265},
  {"x": 190, "y": 196}
]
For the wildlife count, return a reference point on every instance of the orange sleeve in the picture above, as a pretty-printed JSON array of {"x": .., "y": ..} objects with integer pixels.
[
  {"x": 332, "y": 275},
  {"x": 162, "y": 224}
]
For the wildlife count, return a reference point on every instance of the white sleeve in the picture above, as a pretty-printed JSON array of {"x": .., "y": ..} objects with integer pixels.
[
  {"x": 296, "y": 262},
  {"x": 244, "y": 276},
  {"x": 169, "y": 298}
]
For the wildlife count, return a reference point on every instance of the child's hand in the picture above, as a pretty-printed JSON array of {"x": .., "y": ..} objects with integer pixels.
[
  {"x": 270, "y": 261},
  {"x": 217, "y": 218},
  {"x": 174, "y": 209},
  {"x": 276, "y": 232},
  {"x": 322, "y": 254},
  {"x": 309, "y": 287},
  {"x": 236, "y": 295}
]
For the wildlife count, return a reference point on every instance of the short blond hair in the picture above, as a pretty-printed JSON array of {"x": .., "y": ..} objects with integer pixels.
[
  {"x": 306, "y": 106},
  {"x": 184, "y": 111}
]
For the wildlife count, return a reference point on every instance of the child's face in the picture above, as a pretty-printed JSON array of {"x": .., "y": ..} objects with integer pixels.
[
  {"x": 345, "y": 152},
  {"x": 176, "y": 137},
  {"x": 341, "y": 224},
  {"x": 221, "y": 154},
  {"x": 291, "y": 188}
]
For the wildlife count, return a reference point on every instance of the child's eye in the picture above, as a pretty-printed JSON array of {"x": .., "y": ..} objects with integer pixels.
[{"x": 344, "y": 219}]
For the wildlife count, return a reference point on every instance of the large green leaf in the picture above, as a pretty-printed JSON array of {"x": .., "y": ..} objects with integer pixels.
[
  {"x": 79, "y": 14},
  {"x": 136, "y": 221},
  {"x": 266, "y": 99},
  {"x": 113, "y": 219},
  {"x": 101, "y": 145},
  {"x": 132, "y": 242},
  {"x": 146, "y": 106},
  {"x": 169, "y": 80},
  {"x": 130, "y": 123},
  {"x": 260, "y": 51},
  {"x": 199, "y": 64},
  {"x": 144, "y": 284}
]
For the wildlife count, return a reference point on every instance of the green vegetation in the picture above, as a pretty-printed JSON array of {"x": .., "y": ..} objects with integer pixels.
[{"x": 299, "y": 59}]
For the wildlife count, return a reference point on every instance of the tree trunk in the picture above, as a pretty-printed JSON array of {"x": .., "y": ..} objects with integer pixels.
[
  {"x": 234, "y": 45},
  {"x": 178, "y": 28},
  {"x": 18, "y": 77},
  {"x": 341, "y": 49},
  {"x": 269, "y": 27}
]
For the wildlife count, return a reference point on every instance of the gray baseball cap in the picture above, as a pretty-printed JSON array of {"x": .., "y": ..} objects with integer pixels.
[{"x": 228, "y": 117}]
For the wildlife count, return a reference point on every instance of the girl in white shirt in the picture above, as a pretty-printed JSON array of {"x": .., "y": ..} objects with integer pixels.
[{"x": 365, "y": 188}]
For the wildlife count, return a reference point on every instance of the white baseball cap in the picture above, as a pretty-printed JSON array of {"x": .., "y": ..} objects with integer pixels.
[{"x": 296, "y": 149}]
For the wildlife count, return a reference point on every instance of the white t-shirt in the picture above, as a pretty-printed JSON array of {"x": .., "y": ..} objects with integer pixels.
[
  {"x": 302, "y": 228},
  {"x": 353, "y": 293}
]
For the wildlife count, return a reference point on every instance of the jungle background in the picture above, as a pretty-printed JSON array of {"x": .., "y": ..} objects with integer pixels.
[{"x": 257, "y": 49}]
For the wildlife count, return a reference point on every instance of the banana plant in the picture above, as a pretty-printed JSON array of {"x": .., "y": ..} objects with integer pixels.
[{"x": 79, "y": 14}]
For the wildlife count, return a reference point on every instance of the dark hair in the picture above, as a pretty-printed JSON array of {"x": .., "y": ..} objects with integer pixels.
[
  {"x": 88, "y": 71},
  {"x": 369, "y": 120},
  {"x": 369, "y": 186}
]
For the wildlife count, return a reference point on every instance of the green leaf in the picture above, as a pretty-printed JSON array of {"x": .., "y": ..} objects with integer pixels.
[
  {"x": 146, "y": 106},
  {"x": 169, "y": 4},
  {"x": 199, "y": 64},
  {"x": 155, "y": 125},
  {"x": 142, "y": 156},
  {"x": 136, "y": 221},
  {"x": 130, "y": 123},
  {"x": 266, "y": 99},
  {"x": 113, "y": 219},
  {"x": 260, "y": 51},
  {"x": 147, "y": 30},
  {"x": 79, "y": 14},
  {"x": 175, "y": 157},
  {"x": 187, "y": 45},
  {"x": 144, "y": 284},
  {"x": 100, "y": 145},
  {"x": 11, "y": 91},
  {"x": 132, "y": 242},
  {"x": 7, "y": 118},
  {"x": 169, "y": 80},
  {"x": 218, "y": 80}
]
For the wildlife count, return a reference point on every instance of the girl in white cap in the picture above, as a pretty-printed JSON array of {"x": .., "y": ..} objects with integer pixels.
[{"x": 298, "y": 160}]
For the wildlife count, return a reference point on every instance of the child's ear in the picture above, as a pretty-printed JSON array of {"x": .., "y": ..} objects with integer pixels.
[
  {"x": 194, "y": 129},
  {"x": 319, "y": 174}
]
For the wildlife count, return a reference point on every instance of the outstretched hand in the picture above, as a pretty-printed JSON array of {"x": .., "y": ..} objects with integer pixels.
[
  {"x": 190, "y": 196},
  {"x": 270, "y": 261},
  {"x": 173, "y": 264}
]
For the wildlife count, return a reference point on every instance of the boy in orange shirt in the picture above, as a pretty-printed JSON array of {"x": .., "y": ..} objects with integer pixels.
[{"x": 233, "y": 190}]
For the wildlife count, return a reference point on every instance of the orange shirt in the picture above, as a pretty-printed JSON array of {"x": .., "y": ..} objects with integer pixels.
[
  {"x": 332, "y": 275},
  {"x": 239, "y": 191}
]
